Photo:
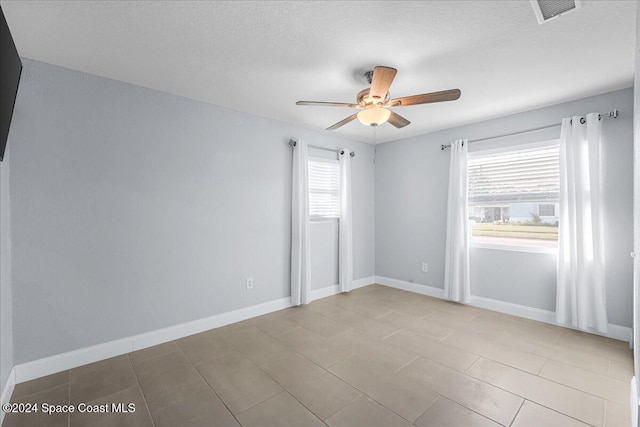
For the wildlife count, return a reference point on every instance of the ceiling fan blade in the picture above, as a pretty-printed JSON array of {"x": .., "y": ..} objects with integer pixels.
[
  {"x": 426, "y": 98},
  {"x": 398, "y": 121},
  {"x": 327, "y": 104},
  {"x": 343, "y": 122},
  {"x": 381, "y": 81}
]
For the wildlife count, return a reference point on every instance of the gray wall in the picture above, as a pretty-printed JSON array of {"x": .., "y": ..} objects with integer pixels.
[
  {"x": 411, "y": 180},
  {"x": 6, "y": 320},
  {"x": 134, "y": 210}
]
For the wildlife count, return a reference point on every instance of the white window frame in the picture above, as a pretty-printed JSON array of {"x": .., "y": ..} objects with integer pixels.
[
  {"x": 318, "y": 219},
  {"x": 512, "y": 247}
]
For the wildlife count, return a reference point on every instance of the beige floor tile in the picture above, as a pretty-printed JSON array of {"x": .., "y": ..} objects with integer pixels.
[
  {"x": 40, "y": 384},
  {"x": 617, "y": 415},
  {"x": 275, "y": 325},
  {"x": 321, "y": 392},
  {"x": 595, "y": 344},
  {"x": 569, "y": 401},
  {"x": 413, "y": 310},
  {"x": 621, "y": 369},
  {"x": 455, "y": 322},
  {"x": 366, "y": 412},
  {"x": 319, "y": 324},
  {"x": 419, "y": 326},
  {"x": 461, "y": 311},
  {"x": 366, "y": 308},
  {"x": 191, "y": 405},
  {"x": 392, "y": 358},
  {"x": 404, "y": 397},
  {"x": 139, "y": 417},
  {"x": 491, "y": 350},
  {"x": 55, "y": 396},
  {"x": 165, "y": 379},
  {"x": 99, "y": 379},
  {"x": 318, "y": 349},
  {"x": 434, "y": 350},
  {"x": 378, "y": 292},
  {"x": 429, "y": 360},
  {"x": 281, "y": 410},
  {"x": 223, "y": 330},
  {"x": 149, "y": 353},
  {"x": 534, "y": 415},
  {"x": 525, "y": 328},
  {"x": 239, "y": 383},
  {"x": 256, "y": 345},
  {"x": 445, "y": 413},
  {"x": 202, "y": 347},
  {"x": 599, "y": 385},
  {"x": 405, "y": 296},
  {"x": 469, "y": 392},
  {"x": 567, "y": 355},
  {"x": 363, "y": 325}
]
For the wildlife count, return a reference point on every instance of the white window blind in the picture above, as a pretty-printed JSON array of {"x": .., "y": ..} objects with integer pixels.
[
  {"x": 324, "y": 188},
  {"x": 528, "y": 175}
]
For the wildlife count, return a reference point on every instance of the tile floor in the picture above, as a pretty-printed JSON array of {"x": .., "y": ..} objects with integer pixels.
[{"x": 374, "y": 357}]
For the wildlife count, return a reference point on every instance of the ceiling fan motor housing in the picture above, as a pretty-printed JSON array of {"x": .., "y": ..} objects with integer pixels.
[{"x": 369, "y": 76}]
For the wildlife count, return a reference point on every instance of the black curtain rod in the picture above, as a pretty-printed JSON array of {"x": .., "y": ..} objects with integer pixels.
[
  {"x": 612, "y": 114},
  {"x": 293, "y": 143}
]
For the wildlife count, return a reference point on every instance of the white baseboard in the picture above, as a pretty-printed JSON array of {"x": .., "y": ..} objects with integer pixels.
[
  {"x": 365, "y": 281},
  {"x": 614, "y": 331},
  {"x": 411, "y": 287},
  {"x": 335, "y": 289},
  {"x": 7, "y": 391},
  {"x": 72, "y": 359}
]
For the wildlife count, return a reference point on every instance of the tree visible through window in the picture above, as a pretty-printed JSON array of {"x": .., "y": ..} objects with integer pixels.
[{"x": 513, "y": 196}]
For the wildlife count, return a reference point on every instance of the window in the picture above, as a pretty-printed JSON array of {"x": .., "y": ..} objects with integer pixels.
[
  {"x": 513, "y": 196},
  {"x": 324, "y": 189}
]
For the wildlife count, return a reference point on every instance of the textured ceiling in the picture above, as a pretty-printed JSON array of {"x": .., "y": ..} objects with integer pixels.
[{"x": 261, "y": 57}]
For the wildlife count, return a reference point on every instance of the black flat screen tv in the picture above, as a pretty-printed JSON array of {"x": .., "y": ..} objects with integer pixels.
[{"x": 10, "y": 69}]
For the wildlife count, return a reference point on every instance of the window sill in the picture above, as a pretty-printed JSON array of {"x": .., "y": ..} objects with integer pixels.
[
  {"x": 515, "y": 248},
  {"x": 323, "y": 220}
]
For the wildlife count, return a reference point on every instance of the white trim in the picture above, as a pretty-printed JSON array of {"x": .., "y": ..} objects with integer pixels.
[
  {"x": 514, "y": 248},
  {"x": 614, "y": 331},
  {"x": 324, "y": 292},
  {"x": 365, "y": 281},
  {"x": 617, "y": 332},
  {"x": 480, "y": 152},
  {"x": 7, "y": 391},
  {"x": 411, "y": 287},
  {"x": 335, "y": 289},
  {"x": 60, "y": 362}
]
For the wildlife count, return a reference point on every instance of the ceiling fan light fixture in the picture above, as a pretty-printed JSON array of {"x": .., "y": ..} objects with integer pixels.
[{"x": 374, "y": 116}]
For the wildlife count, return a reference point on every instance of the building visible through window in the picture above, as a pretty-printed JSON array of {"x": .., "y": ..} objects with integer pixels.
[{"x": 513, "y": 196}]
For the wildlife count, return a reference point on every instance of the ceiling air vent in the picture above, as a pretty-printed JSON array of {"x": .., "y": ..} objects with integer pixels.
[{"x": 547, "y": 10}]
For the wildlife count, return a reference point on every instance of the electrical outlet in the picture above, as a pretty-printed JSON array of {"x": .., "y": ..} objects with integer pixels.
[
  {"x": 249, "y": 283},
  {"x": 425, "y": 267}
]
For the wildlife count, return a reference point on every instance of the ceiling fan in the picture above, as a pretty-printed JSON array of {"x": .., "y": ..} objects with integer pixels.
[{"x": 375, "y": 104}]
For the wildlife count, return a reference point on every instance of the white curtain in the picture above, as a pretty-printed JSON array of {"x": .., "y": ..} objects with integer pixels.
[
  {"x": 456, "y": 275},
  {"x": 300, "y": 232},
  {"x": 581, "y": 292},
  {"x": 345, "y": 262}
]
